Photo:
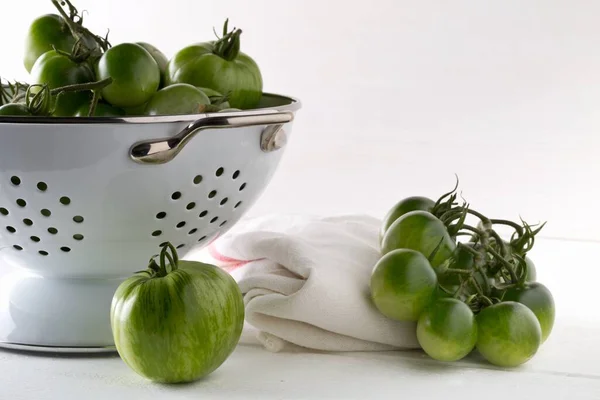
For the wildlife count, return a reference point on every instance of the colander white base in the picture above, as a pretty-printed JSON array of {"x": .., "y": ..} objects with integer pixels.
[{"x": 58, "y": 315}]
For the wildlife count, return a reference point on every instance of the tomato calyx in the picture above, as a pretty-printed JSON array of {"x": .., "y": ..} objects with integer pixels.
[
  {"x": 164, "y": 268},
  {"x": 228, "y": 47},
  {"x": 10, "y": 90}
]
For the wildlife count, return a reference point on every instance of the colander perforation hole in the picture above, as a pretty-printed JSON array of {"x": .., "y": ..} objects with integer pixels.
[
  {"x": 161, "y": 215},
  {"x": 239, "y": 203},
  {"x": 176, "y": 195},
  {"x": 78, "y": 236},
  {"x": 193, "y": 231},
  {"x": 42, "y": 186},
  {"x": 43, "y": 253},
  {"x": 223, "y": 223},
  {"x": 203, "y": 214},
  {"x": 45, "y": 212},
  {"x": 224, "y": 201},
  {"x": 65, "y": 249},
  {"x": 215, "y": 219},
  {"x": 28, "y": 222},
  {"x": 220, "y": 171},
  {"x": 35, "y": 239},
  {"x": 197, "y": 179},
  {"x": 15, "y": 180},
  {"x": 243, "y": 186},
  {"x": 65, "y": 201},
  {"x": 181, "y": 224},
  {"x": 3, "y": 211},
  {"x": 202, "y": 238},
  {"x": 235, "y": 174},
  {"x": 191, "y": 206},
  {"x": 11, "y": 229},
  {"x": 181, "y": 246},
  {"x": 52, "y": 230},
  {"x": 21, "y": 203},
  {"x": 157, "y": 233},
  {"x": 212, "y": 194},
  {"x": 78, "y": 219},
  {"x": 17, "y": 247}
]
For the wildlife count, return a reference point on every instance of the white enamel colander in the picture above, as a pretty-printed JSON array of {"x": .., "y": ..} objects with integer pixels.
[{"x": 84, "y": 203}]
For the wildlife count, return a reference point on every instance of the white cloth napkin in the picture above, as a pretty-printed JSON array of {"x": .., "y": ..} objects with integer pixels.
[{"x": 305, "y": 281}]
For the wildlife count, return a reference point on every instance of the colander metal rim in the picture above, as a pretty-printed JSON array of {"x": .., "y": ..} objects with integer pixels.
[{"x": 291, "y": 104}]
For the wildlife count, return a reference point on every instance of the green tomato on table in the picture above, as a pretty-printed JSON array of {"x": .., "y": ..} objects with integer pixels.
[{"x": 177, "y": 321}]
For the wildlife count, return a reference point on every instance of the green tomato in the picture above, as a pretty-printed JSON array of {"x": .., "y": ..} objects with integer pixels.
[
  {"x": 447, "y": 330},
  {"x": 509, "y": 334},
  {"x": 159, "y": 57},
  {"x": 177, "y": 325},
  {"x": 57, "y": 70},
  {"x": 44, "y": 32},
  {"x": 136, "y": 111},
  {"x": 402, "y": 207},
  {"x": 179, "y": 98},
  {"x": 102, "y": 110},
  {"x": 402, "y": 284},
  {"x": 135, "y": 74},
  {"x": 531, "y": 271},
  {"x": 14, "y": 109},
  {"x": 538, "y": 299},
  {"x": 421, "y": 231},
  {"x": 210, "y": 92},
  {"x": 220, "y": 66}
]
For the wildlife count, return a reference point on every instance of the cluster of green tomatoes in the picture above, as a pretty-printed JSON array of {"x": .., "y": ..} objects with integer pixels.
[
  {"x": 74, "y": 72},
  {"x": 464, "y": 286}
]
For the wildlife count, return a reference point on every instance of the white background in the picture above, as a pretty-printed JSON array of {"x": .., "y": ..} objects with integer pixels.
[{"x": 400, "y": 95}]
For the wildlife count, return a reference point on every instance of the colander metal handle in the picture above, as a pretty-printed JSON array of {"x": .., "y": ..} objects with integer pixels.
[{"x": 160, "y": 151}]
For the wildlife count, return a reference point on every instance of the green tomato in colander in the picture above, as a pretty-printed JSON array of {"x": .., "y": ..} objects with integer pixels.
[
  {"x": 177, "y": 321},
  {"x": 220, "y": 66}
]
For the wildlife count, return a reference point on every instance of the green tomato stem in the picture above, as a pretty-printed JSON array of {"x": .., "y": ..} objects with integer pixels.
[
  {"x": 514, "y": 225},
  {"x": 228, "y": 47},
  {"x": 451, "y": 194},
  {"x": 94, "y": 103},
  {"x": 79, "y": 87},
  {"x": 172, "y": 258},
  {"x": 78, "y": 31},
  {"x": 506, "y": 264}
]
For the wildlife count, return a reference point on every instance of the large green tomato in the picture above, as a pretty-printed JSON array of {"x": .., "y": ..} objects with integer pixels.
[
  {"x": 135, "y": 75},
  {"x": 57, "y": 70},
  {"x": 177, "y": 322},
  {"x": 402, "y": 207},
  {"x": 44, "y": 32},
  {"x": 179, "y": 98},
  {"x": 159, "y": 57},
  {"x": 538, "y": 299},
  {"x": 509, "y": 334},
  {"x": 447, "y": 330},
  {"x": 220, "y": 66},
  {"x": 402, "y": 284},
  {"x": 420, "y": 231}
]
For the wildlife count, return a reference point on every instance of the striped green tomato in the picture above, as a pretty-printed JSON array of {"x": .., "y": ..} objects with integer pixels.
[{"x": 178, "y": 321}]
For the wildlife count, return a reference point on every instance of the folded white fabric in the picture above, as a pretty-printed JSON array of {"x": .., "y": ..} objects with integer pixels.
[{"x": 305, "y": 281}]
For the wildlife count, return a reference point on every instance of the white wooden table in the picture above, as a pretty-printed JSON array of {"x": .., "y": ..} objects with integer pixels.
[{"x": 567, "y": 366}]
